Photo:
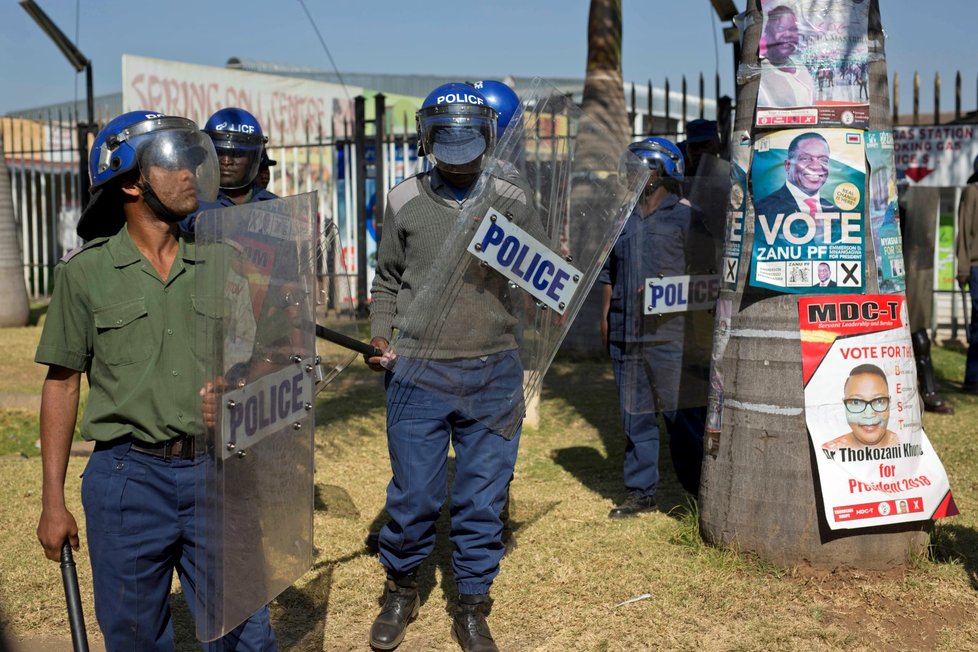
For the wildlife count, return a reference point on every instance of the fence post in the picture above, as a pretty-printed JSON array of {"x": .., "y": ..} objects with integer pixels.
[
  {"x": 937, "y": 98},
  {"x": 667, "y": 102},
  {"x": 896, "y": 98},
  {"x": 684, "y": 107},
  {"x": 360, "y": 143},
  {"x": 649, "y": 131},
  {"x": 380, "y": 180},
  {"x": 957, "y": 96},
  {"x": 916, "y": 98}
]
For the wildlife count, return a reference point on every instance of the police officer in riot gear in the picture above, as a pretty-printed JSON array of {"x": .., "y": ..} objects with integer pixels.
[
  {"x": 122, "y": 312},
  {"x": 240, "y": 145},
  {"x": 647, "y": 350},
  {"x": 457, "y": 131}
]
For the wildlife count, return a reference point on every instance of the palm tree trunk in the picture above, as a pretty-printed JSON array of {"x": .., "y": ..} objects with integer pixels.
[
  {"x": 604, "y": 95},
  {"x": 758, "y": 493},
  {"x": 14, "y": 307},
  {"x": 603, "y": 102}
]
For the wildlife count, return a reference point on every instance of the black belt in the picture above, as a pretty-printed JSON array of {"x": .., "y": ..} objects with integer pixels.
[{"x": 183, "y": 448}]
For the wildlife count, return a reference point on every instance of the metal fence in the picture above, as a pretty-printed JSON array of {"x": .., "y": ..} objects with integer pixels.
[{"x": 342, "y": 165}]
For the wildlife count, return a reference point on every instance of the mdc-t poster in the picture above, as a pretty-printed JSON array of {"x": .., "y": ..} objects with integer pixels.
[
  {"x": 808, "y": 188},
  {"x": 814, "y": 63},
  {"x": 875, "y": 463}
]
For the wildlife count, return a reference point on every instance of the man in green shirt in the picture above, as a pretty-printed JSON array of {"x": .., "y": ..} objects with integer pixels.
[{"x": 122, "y": 313}]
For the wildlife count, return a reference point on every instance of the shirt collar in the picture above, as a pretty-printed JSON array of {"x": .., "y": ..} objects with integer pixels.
[
  {"x": 441, "y": 187},
  {"x": 800, "y": 196},
  {"x": 124, "y": 252},
  {"x": 667, "y": 203}
]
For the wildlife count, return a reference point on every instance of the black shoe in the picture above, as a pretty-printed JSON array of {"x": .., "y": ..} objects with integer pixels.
[
  {"x": 401, "y": 605},
  {"x": 633, "y": 505},
  {"x": 969, "y": 388},
  {"x": 469, "y": 627},
  {"x": 934, "y": 403}
]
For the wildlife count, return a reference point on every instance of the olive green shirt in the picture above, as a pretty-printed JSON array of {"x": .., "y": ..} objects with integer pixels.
[{"x": 112, "y": 317}]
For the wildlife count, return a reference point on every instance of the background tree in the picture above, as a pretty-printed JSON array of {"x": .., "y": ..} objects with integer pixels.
[
  {"x": 758, "y": 492},
  {"x": 604, "y": 89},
  {"x": 14, "y": 307},
  {"x": 603, "y": 102}
]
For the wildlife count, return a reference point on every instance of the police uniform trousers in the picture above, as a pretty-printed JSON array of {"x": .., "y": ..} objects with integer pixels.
[
  {"x": 140, "y": 519},
  {"x": 423, "y": 416},
  {"x": 647, "y": 377},
  {"x": 971, "y": 363}
]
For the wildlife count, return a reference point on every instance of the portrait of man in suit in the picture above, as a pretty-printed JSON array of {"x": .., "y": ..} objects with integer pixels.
[
  {"x": 784, "y": 81},
  {"x": 825, "y": 276},
  {"x": 806, "y": 171}
]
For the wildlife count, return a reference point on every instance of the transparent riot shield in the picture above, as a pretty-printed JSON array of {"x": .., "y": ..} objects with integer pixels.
[
  {"x": 255, "y": 292},
  {"x": 528, "y": 245},
  {"x": 336, "y": 314},
  {"x": 664, "y": 279}
]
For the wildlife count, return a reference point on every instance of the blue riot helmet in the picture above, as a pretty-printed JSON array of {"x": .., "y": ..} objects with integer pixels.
[
  {"x": 502, "y": 98},
  {"x": 139, "y": 145},
  {"x": 456, "y": 128},
  {"x": 660, "y": 156},
  {"x": 240, "y": 142}
]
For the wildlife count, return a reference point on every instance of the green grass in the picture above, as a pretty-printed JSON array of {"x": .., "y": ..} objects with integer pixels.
[{"x": 562, "y": 586}]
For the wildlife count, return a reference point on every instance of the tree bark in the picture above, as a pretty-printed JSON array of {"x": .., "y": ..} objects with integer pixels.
[
  {"x": 603, "y": 102},
  {"x": 14, "y": 306},
  {"x": 603, "y": 98},
  {"x": 758, "y": 493}
]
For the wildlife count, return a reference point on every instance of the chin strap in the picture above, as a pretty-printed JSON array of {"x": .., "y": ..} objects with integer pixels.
[{"x": 154, "y": 202}]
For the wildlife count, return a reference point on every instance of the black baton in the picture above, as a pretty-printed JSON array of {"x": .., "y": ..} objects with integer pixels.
[
  {"x": 347, "y": 342},
  {"x": 79, "y": 638}
]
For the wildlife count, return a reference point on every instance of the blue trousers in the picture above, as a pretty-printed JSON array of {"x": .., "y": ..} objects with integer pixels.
[
  {"x": 140, "y": 518},
  {"x": 971, "y": 364},
  {"x": 421, "y": 421},
  {"x": 647, "y": 377}
]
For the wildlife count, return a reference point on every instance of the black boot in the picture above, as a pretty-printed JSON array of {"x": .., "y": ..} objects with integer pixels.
[
  {"x": 933, "y": 402},
  {"x": 469, "y": 627},
  {"x": 401, "y": 604}
]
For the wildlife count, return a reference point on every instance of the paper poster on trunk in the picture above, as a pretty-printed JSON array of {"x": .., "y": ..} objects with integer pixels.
[
  {"x": 808, "y": 189},
  {"x": 740, "y": 156},
  {"x": 884, "y": 215},
  {"x": 814, "y": 64},
  {"x": 875, "y": 464}
]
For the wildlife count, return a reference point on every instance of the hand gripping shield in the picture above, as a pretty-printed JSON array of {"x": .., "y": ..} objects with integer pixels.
[
  {"x": 255, "y": 285},
  {"x": 518, "y": 264}
]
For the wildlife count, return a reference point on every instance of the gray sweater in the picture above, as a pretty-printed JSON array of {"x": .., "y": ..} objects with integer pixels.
[{"x": 445, "y": 304}]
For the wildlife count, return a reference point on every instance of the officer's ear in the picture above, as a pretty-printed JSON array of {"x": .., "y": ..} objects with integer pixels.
[{"x": 131, "y": 186}]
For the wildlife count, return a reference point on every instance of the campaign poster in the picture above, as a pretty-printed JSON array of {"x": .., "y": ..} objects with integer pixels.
[
  {"x": 814, "y": 64},
  {"x": 884, "y": 216},
  {"x": 938, "y": 156},
  {"x": 875, "y": 464},
  {"x": 733, "y": 241},
  {"x": 808, "y": 188},
  {"x": 714, "y": 406}
]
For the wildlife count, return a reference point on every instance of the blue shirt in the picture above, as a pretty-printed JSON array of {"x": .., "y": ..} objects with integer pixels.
[
  {"x": 650, "y": 246},
  {"x": 222, "y": 201}
]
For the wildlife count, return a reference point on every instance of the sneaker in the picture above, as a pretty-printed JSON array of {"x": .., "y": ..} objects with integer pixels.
[{"x": 633, "y": 505}]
